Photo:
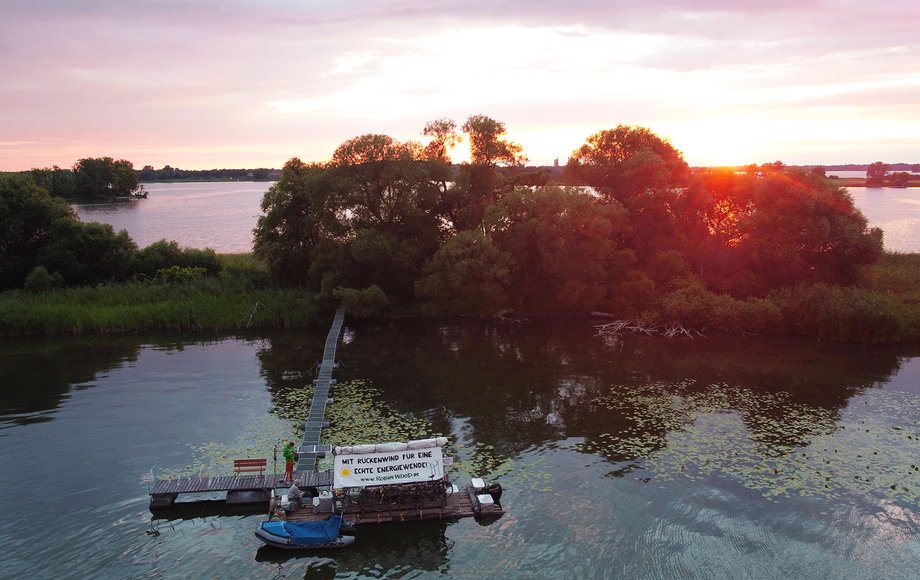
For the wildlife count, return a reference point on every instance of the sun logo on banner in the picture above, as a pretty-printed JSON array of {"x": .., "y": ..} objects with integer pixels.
[{"x": 345, "y": 472}]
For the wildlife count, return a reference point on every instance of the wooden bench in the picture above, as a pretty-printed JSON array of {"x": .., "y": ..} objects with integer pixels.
[{"x": 249, "y": 465}]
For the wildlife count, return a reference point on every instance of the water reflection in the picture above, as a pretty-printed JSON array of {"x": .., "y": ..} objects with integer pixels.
[
  {"x": 528, "y": 384},
  {"x": 624, "y": 458},
  {"x": 38, "y": 375},
  {"x": 386, "y": 551}
]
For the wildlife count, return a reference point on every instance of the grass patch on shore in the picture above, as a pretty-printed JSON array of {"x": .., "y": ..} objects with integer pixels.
[{"x": 208, "y": 304}]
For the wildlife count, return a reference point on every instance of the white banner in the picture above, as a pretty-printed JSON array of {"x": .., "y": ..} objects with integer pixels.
[{"x": 388, "y": 468}]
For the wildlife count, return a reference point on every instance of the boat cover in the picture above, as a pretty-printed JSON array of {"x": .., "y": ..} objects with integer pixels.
[{"x": 306, "y": 533}]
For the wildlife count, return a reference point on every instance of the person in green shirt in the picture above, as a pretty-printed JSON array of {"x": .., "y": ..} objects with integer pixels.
[{"x": 289, "y": 458}]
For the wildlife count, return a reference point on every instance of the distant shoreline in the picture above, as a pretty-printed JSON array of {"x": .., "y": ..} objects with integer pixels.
[{"x": 861, "y": 182}]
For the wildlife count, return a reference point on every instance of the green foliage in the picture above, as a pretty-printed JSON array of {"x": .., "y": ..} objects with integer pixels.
[
  {"x": 365, "y": 303},
  {"x": 176, "y": 274},
  {"x": 197, "y": 304},
  {"x": 754, "y": 232},
  {"x": 29, "y": 217},
  {"x": 625, "y": 162},
  {"x": 39, "y": 280},
  {"x": 165, "y": 254},
  {"x": 840, "y": 313},
  {"x": 696, "y": 307},
  {"x": 56, "y": 181},
  {"x": 298, "y": 213},
  {"x": 563, "y": 245},
  {"x": 468, "y": 274},
  {"x": 243, "y": 271},
  {"x": 103, "y": 177},
  {"x": 88, "y": 253}
]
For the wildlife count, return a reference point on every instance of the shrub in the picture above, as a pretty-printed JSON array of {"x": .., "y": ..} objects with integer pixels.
[
  {"x": 39, "y": 280},
  {"x": 838, "y": 313},
  {"x": 366, "y": 303}
]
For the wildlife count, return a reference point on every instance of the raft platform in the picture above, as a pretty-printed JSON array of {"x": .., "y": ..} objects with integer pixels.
[
  {"x": 241, "y": 489},
  {"x": 460, "y": 504},
  {"x": 249, "y": 489}
]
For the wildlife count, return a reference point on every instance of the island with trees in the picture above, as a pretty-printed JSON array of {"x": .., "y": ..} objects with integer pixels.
[{"x": 388, "y": 227}]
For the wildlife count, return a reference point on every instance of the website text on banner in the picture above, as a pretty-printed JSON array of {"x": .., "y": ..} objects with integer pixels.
[{"x": 388, "y": 463}]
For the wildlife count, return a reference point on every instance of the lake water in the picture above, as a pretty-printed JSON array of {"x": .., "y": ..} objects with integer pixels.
[
  {"x": 222, "y": 215},
  {"x": 216, "y": 215},
  {"x": 621, "y": 457}
]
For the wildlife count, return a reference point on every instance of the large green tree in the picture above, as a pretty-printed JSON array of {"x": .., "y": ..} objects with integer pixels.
[
  {"x": 758, "y": 231},
  {"x": 104, "y": 177},
  {"x": 39, "y": 230},
  {"x": 86, "y": 254},
  {"x": 479, "y": 183},
  {"x": 467, "y": 274},
  {"x": 626, "y": 162},
  {"x": 28, "y": 218},
  {"x": 566, "y": 248},
  {"x": 300, "y": 212}
]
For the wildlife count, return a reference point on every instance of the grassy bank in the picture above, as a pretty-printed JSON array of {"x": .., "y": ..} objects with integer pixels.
[
  {"x": 885, "y": 308},
  {"x": 239, "y": 298},
  {"x": 199, "y": 305}
]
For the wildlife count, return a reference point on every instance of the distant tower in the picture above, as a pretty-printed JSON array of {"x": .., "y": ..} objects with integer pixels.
[{"x": 556, "y": 163}]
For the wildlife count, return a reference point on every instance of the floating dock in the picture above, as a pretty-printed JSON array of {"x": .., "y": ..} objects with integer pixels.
[
  {"x": 463, "y": 503},
  {"x": 239, "y": 488},
  {"x": 257, "y": 488},
  {"x": 452, "y": 503}
]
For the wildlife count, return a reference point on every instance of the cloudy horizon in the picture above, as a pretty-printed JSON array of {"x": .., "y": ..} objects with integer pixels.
[{"x": 252, "y": 83}]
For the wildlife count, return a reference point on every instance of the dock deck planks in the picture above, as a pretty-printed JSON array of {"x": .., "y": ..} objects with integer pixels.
[{"x": 166, "y": 490}]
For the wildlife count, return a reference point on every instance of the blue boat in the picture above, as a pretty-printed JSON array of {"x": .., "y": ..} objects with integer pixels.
[{"x": 321, "y": 535}]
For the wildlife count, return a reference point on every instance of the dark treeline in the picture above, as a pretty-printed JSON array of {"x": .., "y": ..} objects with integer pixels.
[
  {"x": 167, "y": 173},
  {"x": 391, "y": 225},
  {"x": 626, "y": 228},
  {"x": 92, "y": 178},
  {"x": 44, "y": 245},
  {"x": 104, "y": 178}
]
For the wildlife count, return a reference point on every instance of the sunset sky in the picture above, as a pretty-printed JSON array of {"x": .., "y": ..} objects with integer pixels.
[{"x": 252, "y": 83}]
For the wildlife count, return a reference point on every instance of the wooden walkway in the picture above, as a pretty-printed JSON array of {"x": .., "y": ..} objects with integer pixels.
[
  {"x": 310, "y": 449},
  {"x": 165, "y": 491},
  {"x": 197, "y": 484}
]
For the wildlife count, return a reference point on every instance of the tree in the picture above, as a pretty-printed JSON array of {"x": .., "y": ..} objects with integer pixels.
[
  {"x": 56, "y": 181},
  {"x": 487, "y": 143},
  {"x": 299, "y": 212},
  {"x": 565, "y": 248},
  {"x": 444, "y": 137},
  {"x": 28, "y": 219},
  {"x": 382, "y": 182},
  {"x": 759, "y": 232},
  {"x": 164, "y": 254},
  {"x": 467, "y": 274},
  {"x": 625, "y": 162},
  {"x": 103, "y": 177},
  {"x": 38, "y": 230},
  {"x": 875, "y": 174},
  {"x": 478, "y": 183},
  {"x": 86, "y": 254}
]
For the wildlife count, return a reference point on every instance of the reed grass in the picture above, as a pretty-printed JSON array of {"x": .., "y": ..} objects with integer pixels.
[{"x": 214, "y": 304}]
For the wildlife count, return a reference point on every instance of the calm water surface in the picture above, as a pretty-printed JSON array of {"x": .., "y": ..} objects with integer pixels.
[
  {"x": 222, "y": 215},
  {"x": 620, "y": 457},
  {"x": 216, "y": 215}
]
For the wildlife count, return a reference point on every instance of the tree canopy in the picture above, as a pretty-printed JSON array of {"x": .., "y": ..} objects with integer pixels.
[
  {"x": 626, "y": 161},
  {"x": 41, "y": 238},
  {"x": 388, "y": 223}
]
